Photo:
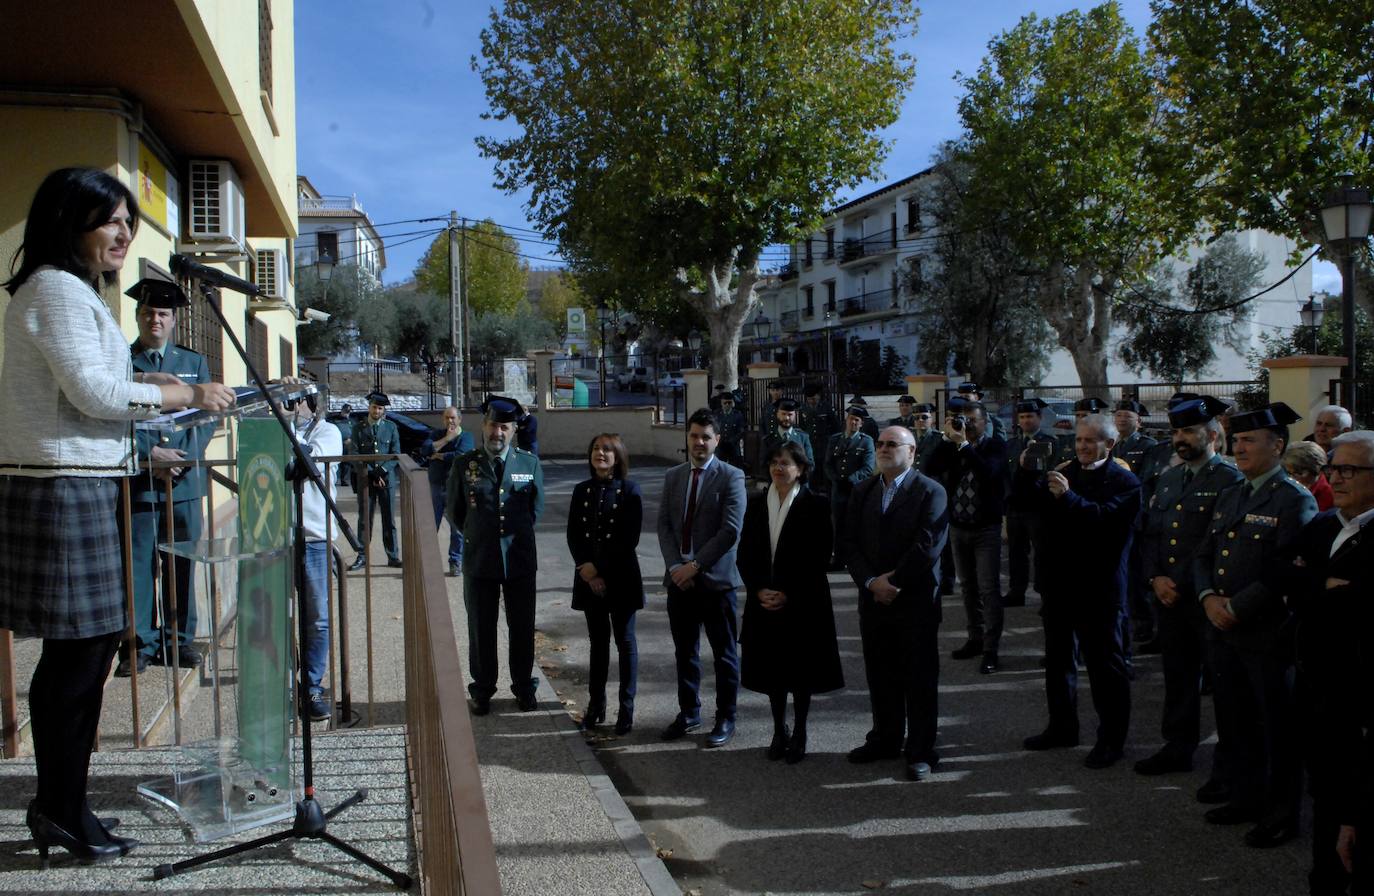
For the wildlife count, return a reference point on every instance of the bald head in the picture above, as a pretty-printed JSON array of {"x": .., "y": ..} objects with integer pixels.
[{"x": 896, "y": 451}]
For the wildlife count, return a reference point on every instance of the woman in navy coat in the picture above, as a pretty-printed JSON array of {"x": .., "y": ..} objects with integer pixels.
[
  {"x": 788, "y": 635},
  {"x": 603, "y": 532}
]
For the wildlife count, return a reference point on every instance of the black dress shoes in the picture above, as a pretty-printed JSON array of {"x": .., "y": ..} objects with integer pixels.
[
  {"x": 867, "y": 752},
  {"x": 1165, "y": 762},
  {"x": 1049, "y": 739},
  {"x": 1231, "y": 813},
  {"x": 124, "y": 669},
  {"x": 46, "y": 835},
  {"x": 526, "y": 702},
  {"x": 970, "y": 649},
  {"x": 1268, "y": 834},
  {"x": 624, "y": 724},
  {"x": 720, "y": 734},
  {"x": 481, "y": 706},
  {"x": 679, "y": 727},
  {"x": 917, "y": 771},
  {"x": 1102, "y": 756},
  {"x": 187, "y": 657},
  {"x": 989, "y": 664},
  {"x": 1013, "y": 600},
  {"x": 778, "y": 748},
  {"x": 1213, "y": 792},
  {"x": 796, "y": 747},
  {"x": 394, "y": 563},
  {"x": 357, "y": 564},
  {"x": 595, "y": 715}
]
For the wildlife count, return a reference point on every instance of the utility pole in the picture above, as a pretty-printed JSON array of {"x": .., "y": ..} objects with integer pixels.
[
  {"x": 466, "y": 349},
  {"x": 455, "y": 315}
]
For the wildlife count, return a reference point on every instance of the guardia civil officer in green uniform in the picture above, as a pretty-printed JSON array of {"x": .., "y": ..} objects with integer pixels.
[
  {"x": 768, "y": 417},
  {"x": 731, "y": 449},
  {"x": 788, "y": 431},
  {"x": 904, "y": 415},
  {"x": 495, "y": 495},
  {"x": 849, "y": 460},
  {"x": 928, "y": 436},
  {"x": 1250, "y": 636},
  {"x": 154, "y": 351},
  {"x": 1177, "y": 516},
  {"x": 1023, "y": 515},
  {"x": 819, "y": 422},
  {"x": 1132, "y": 447},
  {"x": 376, "y": 435}
]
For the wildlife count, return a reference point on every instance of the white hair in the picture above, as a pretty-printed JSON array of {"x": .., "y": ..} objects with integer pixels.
[
  {"x": 1104, "y": 425},
  {"x": 1343, "y": 418},
  {"x": 1357, "y": 437}
]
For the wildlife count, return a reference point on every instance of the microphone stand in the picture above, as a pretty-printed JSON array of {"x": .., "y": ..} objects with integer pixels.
[{"x": 311, "y": 820}]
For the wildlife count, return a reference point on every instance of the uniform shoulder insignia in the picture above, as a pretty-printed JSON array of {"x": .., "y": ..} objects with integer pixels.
[
  {"x": 1122, "y": 464},
  {"x": 521, "y": 451}
]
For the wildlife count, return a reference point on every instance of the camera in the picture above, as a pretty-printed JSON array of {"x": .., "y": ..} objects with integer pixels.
[
  {"x": 1038, "y": 456},
  {"x": 957, "y": 422}
]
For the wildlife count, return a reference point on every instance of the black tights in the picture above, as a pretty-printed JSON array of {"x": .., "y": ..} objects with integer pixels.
[
  {"x": 64, "y": 708},
  {"x": 801, "y": 705}
]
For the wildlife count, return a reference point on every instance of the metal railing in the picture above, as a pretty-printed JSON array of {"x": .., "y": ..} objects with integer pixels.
[
  {"x": 869, "y": 302},
  {"x": 452, "y": 830}
]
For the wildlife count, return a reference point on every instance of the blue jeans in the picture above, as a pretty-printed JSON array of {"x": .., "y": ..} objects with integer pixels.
[
  {"x": 316, "y": 615},
  {"x": 455, "y": 535}
]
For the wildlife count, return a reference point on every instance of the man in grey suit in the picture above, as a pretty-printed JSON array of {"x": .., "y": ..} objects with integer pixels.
[
  {"x": 699, "y": 522},
  {"x": 896, "y": 528}
]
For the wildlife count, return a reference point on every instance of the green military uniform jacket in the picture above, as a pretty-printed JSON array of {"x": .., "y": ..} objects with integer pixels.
[
  {"x": 1247, "y": 534},
  {"x": 925, "y": 447},
  {"x": 191, "y": 368},
  {"x": 793, "y": 435},
  {"x": 818, "y": 423},
  {"x": 1134, "y": 451},
  {"x": 381, "y": 438},
  {"x": 1177, "y": 518},
  {"x": 849, "y": 460},
  {"x": 497, "y": 513},
  {"x": 731, "y": 427}
]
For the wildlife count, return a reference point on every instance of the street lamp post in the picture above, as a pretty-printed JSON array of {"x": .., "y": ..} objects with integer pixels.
[
  {"x": 1311, "y": 314},
  {"x": 603, "y": 314},
  {"x": 324, "y": 270},
  {"x": 694, "y": 343},
  {"x": 1346, "y": 218}
]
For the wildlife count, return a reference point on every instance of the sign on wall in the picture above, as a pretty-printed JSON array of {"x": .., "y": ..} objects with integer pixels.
[
  {"x": 159, "y": 193},
  {"x": 577, "y": 321}
]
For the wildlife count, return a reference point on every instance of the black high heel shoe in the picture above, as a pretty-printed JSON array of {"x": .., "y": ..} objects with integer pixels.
[
  {"x": 595, "y": 715},
  {"x": 47, "y": 834},
  {"x": 108, "y": 823},
  {"x": 624, "y": 723}
]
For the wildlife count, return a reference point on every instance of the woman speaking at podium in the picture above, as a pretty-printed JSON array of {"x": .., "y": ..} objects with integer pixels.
[{"x": 68, "y": 392}]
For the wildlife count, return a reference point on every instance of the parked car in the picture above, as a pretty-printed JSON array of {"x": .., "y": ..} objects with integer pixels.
[
  {"x": 668, "y": 381},
  {"x": 632, "y": 379}
]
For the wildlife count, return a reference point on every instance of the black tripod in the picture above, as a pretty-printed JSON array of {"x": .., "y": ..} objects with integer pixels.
[{"x": 311, "y": 819}]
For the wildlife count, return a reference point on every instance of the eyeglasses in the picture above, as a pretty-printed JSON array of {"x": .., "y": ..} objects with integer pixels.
[
  {"x": 1345, "y": 471},
  {"x": 882, "y": 443}
]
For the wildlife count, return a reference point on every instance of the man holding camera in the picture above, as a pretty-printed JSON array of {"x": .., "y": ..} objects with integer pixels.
[
  {"x": 1023, "y": 519},
  {"x": 972, "y": 464}
]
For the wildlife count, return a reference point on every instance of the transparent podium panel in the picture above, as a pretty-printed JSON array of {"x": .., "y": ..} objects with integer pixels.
[{"x": 244, "y": 777}]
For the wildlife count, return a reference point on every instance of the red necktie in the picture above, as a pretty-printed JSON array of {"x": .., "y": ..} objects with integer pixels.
[{"x": 691, "y": 512}]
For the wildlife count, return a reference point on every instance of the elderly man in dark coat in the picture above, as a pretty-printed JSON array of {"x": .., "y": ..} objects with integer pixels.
[{"x": 1089, "y": 507}]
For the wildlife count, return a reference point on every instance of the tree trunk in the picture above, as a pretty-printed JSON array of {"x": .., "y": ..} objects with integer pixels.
[
  {"x": 726, "y": 310},
  {"x": 1081, "y": 315}
]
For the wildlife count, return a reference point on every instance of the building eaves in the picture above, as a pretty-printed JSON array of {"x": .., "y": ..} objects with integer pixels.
[{"x": 897, "y": 185}]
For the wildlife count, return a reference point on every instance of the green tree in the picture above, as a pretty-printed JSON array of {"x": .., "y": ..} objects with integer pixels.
[
  {"x": 1177, "y": 320},
  {"x": 1066, "y": 147},
  {"x": 500, "y": 335},
  {"x": 1274, "y": 99},
  {"x": 665, "y": 144},
  {"x": 893, "y": 367},
  {"x": 421, "y": 328},
  {"x": 1329, "y": 341},
  {"x": 352, "y": 303},
  {"x": 975, "y": 301},
  {"x": 495, "y": 272},
  {"x": 560, "y": 293}
]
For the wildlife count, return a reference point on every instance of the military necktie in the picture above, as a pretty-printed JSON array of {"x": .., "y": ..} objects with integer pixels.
[
  {"x": 156, "y": 358},
  {"x": 1187, "y": 476}
]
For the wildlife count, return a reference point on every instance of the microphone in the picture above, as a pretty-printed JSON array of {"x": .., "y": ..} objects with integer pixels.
[{"x": 185, "y": 266}]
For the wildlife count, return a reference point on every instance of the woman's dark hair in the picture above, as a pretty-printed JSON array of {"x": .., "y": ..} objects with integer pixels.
[
  {"x": 622, "y": 457},
  {"x": 69, "y": 203},
  {"x": 794, "y": 453}
]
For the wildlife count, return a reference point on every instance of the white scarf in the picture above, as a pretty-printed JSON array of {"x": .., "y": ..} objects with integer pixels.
[{"x": 778, "y": 505}]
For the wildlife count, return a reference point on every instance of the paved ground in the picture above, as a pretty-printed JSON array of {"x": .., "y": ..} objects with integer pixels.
[{"x": 993, "y": 818}]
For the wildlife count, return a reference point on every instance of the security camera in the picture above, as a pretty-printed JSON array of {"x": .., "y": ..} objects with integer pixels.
[{"x": 311, "y": 316}]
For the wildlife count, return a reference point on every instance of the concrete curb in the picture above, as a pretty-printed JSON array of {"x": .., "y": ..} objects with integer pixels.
[{"x": 656, "y": 876}]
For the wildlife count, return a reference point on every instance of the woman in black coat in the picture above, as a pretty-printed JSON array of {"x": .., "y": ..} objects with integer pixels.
[
  {"x": 788, "y": 635},
  {"x": 603, "y": 532}
]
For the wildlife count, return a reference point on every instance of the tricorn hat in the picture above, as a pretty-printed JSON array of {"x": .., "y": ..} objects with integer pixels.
[
  {"x": 158, "y": 293},
  {"x": 500, "y": 409}
]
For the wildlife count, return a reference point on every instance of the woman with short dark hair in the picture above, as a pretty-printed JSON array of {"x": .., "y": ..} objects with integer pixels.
[
  {"x": 603, "y": 531},
  {"x": 788, "y": 635},
  {"x": 69, "y": 376}
]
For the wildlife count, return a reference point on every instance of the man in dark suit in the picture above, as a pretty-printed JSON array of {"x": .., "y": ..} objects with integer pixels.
[
  {"x": 1329, "y": 585},
  {"x": 1251, "y": 637},
  {"x": 376, "y": 435},
  {"x": 154, "y": 351},
  {"x": 1023, "y": 519},
  {"x": 895, "y": 530},
  {"x": 495, "y": 496},
  {"x": 699, "y": 522},
  {"x": 1177, "y": 516},
  {"x": 848, "y": 462},
  {"x": 972, "y": 466},
  {"x": 1133, "y": 447},
  {"x": 1088, "y": 506}
]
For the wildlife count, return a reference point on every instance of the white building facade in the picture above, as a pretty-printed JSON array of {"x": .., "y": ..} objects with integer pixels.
[{"x": 337, "y": 226}]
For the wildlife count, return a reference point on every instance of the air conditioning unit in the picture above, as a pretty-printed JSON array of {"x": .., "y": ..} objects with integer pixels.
[
  {"x": 215, "y": 198},
  {"x": 271, "y": 271}
]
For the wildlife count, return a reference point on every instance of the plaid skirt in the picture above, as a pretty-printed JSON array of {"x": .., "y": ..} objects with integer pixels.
[{"x": 61, "y": 571}]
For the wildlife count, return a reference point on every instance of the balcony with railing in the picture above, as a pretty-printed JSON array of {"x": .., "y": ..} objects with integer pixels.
[
  {"x": 869, "y": 303},
  {"x": 857, "y": 249},
  {"x": 790, "y": 321},
  {"x": 330, "y": 206}
]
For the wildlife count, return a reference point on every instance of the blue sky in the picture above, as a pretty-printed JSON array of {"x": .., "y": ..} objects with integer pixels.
[{"x": 388, "y": 106}]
